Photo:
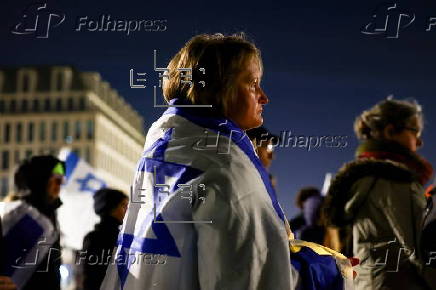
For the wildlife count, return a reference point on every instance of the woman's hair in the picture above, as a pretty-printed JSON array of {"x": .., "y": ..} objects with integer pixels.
[
  {"x": 304, "y": 193},
  {"x": 398, "y": 113},
  {"x": 214, "y": 59}
]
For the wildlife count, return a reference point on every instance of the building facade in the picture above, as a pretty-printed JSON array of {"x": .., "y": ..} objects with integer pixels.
[{"x": 46, "y": 108}]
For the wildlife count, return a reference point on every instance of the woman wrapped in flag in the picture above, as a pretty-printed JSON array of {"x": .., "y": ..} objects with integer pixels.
[{"x": 203, "y": 213}]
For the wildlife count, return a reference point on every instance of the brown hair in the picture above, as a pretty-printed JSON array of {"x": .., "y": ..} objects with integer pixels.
[
  {"x": 371, "y": 123},
  {"x": 222, "y": 58}
]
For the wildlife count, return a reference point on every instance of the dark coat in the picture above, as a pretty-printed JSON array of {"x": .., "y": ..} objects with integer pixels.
[
  {"x": 384, "y": 204},
  {"x": 99, "y": 245}
]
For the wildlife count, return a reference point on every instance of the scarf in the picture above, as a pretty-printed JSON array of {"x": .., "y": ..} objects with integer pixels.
[{"x": 388, "y": 150}]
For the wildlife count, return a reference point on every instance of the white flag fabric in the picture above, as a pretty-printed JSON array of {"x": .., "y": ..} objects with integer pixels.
[
  {"x": 76, "y": 215},
  {"x": 203, "y": 213},
  {"x": 28, "y": 237}
]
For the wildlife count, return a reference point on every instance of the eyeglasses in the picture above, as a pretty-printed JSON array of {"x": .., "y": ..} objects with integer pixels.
[{"x": 414, "y": 130}]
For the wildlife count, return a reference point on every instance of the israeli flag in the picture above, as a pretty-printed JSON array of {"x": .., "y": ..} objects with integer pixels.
[
  {"x": 76, "y": 215},
  {"x": 203, "y": 214},
  {"x": 28, "y": 237}
]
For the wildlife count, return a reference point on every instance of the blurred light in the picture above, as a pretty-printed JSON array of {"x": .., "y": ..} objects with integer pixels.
[{"x": 64, "y": 272}]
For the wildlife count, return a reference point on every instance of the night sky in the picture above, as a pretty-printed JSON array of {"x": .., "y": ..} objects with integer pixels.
[{"x": 320, "y": 70}]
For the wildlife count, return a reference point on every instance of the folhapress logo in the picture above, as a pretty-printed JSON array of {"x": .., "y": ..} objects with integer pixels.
[
  {"x": 37, "y": 20},
  {"x": 388, "y": 21}
]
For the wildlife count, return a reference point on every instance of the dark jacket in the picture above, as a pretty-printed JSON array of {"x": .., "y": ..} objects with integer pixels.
[
  {"x": 383, "y": 204},
  {"x": 98, "y": 246}
]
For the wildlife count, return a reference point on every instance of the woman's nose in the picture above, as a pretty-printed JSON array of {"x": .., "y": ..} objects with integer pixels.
[{"x": 263, "y": 97}]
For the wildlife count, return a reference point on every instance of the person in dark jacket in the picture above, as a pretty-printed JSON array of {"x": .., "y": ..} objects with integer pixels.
[
  {"x": 38, "y": 181},
  {"x": 379, "y": 197},
  {"x": 111, "y": 206},
  {"x": 307, "y": 225}
]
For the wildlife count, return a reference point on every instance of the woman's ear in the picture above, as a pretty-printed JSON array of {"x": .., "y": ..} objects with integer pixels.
[{"x": 388, "y": 132}]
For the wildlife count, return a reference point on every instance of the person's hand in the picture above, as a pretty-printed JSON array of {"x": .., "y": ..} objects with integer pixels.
[{"x": 6, "y": 283}]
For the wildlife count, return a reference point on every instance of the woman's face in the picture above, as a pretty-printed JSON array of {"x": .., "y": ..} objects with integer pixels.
[
  {"x": 54, "y": 186},
  {"x": 246, "y": 110},
  {"x": 410, "y": 136}
]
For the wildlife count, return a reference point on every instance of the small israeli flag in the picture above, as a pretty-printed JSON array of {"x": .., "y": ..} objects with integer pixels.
[{"x": 76, "y": 216}]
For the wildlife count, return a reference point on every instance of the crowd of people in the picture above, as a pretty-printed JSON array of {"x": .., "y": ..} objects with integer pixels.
[{"x": 378, "y": 210}]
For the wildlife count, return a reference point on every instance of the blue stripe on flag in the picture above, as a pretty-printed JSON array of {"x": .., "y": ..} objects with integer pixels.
[
  {"x": 70, "y": 164},
  {"x": 228, "y": 128},
  {"x": 317, "y": 272},
  {"x": 19, "y": 240},
  {"x": 164, "y": 242}
]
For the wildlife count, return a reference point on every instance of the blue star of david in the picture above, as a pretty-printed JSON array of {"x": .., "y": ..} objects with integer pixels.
[{"x": 84, "y": 183}]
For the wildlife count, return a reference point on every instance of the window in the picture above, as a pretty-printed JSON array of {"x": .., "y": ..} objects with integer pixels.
[
  {"x": 35, "y": 105},
  {"x": 59, "y": 82},
  {"x": 70, "y": 104},
  {"x": 26, "y": 83},
  {"x": 47, "y": 105},
  {"x": 58, "y": 105},
  {"x": 82, "y": 104},
  {"x": 88, "y": 155},
  {"x": 5, "y": 160},
  {"x": 66, "y": 133},
  {"x": 54, "y": 131},
  {"x": 89, "y": 129},
  {"x": 42, "y": 131},
  {"x": 77, "y": 132},
  {"x": 30, "y": 131},
  {"x": 4, "y": 186},
  {"x": 24, "y": 106},
  {"x": 19, "y": 133},
  {"x": 7, "y": 133},
  {"x": 2, "y": 106},
  {"x": 13, "y": 106}
]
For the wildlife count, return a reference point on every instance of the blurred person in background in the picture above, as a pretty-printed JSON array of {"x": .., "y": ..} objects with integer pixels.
[
  {"x": 30, "y": 229},
  {"x": 307, "y": 225},
  {"x": 378, "y": 202},
  {"x": 111, "y": 206},
  {"x": 264, "y": 143}
]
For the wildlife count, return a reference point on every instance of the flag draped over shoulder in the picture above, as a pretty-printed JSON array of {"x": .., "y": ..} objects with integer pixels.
[
  {"x": 317, "y": 267},
  {"x": 203, "y": 213},
  {"x": 28, "y": 237}
]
